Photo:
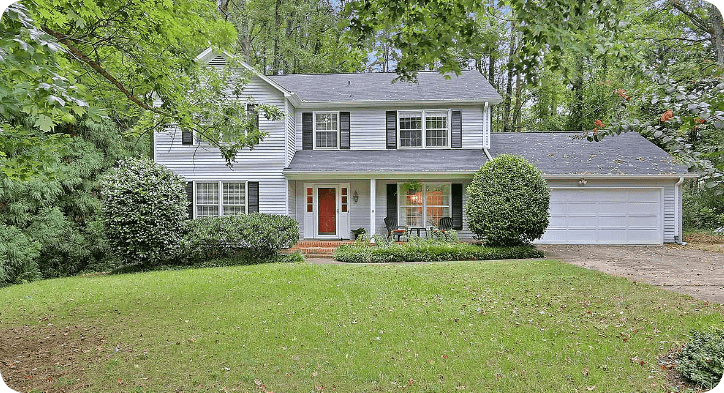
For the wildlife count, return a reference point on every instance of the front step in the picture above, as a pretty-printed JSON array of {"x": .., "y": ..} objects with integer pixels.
[{"x": 317, "y": 248}]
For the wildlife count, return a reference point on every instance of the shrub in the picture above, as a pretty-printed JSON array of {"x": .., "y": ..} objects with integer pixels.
[
  {"x": 254, "y": 236},
  {"x": 507, "y": 202},
  {"x": 18, "y": 256},
  {"x": 702, "y": 209},
  {"x": 702, "y": 359},
  {"x": 426, "y": 250},
  {"x": 144, "y": 211}
]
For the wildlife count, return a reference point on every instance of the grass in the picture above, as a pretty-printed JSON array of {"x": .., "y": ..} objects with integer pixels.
[{"x": 510, "y": 326}]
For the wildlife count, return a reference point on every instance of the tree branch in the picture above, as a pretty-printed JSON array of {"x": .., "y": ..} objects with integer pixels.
[{"x": 78, "y": 54}]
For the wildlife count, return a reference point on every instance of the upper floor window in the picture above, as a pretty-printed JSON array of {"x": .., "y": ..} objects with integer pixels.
[
  {"x": 326, "y": 130},
  {"x": 427, "y": 128}
]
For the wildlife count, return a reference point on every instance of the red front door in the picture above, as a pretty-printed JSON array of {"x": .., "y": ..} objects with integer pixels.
[{"x": 327, "y": 211}]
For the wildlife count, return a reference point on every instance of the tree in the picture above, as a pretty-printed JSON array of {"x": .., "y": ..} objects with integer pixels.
[
  {"x": 133, "y": 62},
  {"x": 427, "y": 32}
]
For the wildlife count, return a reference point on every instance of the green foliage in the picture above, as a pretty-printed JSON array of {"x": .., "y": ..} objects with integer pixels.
[
  {"x": 144, "y": 211},
  {"x": 428, "y": 33},
  {"x": 293, "y": 36},
  {"x": 702, "y": 359},
  {"x": 18, "y": 256},
  {"x": 507, "y": 202},
  {"x": 59, "y": 209},
  {"x": 702, "y": 209},
  {"x": 253, "y": 236},
  {"x": 426, "y": 250}
]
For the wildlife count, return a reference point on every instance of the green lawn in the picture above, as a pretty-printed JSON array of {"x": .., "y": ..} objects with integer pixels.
[{"x": 537, "y": 326}]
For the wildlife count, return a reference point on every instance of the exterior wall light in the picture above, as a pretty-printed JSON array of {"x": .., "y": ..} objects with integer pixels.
[{"x": 355, "y": 196}]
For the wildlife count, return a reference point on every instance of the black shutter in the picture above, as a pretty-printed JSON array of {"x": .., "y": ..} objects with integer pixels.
[
  {"x": 252, "y": 112},
  {"x": 253, "y": 187},
  {"x": 307, "y": 131},
  {"x": 344, "y": 130},
  {"x": 456, "y": 123},
  {"x": 190, "y": 198},
  {"x": 391, "y": 129},
  {"x": 457, "y": 206},
  {"x": 391, "y": 201},
  {"x": 187, "y": 137}
]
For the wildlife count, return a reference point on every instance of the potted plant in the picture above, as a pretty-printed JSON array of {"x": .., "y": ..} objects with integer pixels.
[{"x": 358, "y": 232}]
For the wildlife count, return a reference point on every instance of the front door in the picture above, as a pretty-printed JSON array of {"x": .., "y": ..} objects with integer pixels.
[{"x": 327, "y": 211}]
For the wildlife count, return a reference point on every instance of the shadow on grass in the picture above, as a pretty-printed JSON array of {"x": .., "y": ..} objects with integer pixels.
[{"x": 236, "y": 260}]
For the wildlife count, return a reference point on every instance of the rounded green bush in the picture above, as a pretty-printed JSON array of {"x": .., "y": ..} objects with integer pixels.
[
  {"x": 144, "y": 211},
  {"x": 507, "y": 202}
]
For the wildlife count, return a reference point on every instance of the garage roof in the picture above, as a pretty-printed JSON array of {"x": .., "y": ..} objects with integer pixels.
[{"x": 566, "y": 153}]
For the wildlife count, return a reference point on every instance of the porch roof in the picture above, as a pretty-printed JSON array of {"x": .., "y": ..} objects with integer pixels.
[{"x": 399, "y": 161}]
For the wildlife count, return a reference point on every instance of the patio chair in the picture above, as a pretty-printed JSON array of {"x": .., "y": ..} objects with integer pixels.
[
  {"x": 392, "y": 228},
  {"x": 446, "y": 224}
]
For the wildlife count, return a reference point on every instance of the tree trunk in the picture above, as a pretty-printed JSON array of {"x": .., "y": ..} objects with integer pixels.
[
  {"x": 518, "y": 102},
  {"x": 717, "y": 36},
  {"x": 509, "y": 85},
  {"x": 277, "y": 26},
  {"x": 576, "y": 121}
]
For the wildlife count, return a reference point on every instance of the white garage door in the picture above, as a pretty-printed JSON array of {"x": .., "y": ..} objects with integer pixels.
[{"x": 605, "y": 216}]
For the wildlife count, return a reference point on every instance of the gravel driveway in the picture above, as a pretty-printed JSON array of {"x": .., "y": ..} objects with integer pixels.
[{"x": 693, "y": 272}]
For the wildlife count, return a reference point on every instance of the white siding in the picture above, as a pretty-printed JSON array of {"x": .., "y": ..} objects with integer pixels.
[
  {"x": 291, "y": 132},
  {"x": 367, "y": 126},
  {"x": 263, "y": 164}
]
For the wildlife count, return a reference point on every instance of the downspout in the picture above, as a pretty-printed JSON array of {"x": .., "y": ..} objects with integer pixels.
[
  {"x": 487, "y": 154},
  {"x": 677, "y": 239}
]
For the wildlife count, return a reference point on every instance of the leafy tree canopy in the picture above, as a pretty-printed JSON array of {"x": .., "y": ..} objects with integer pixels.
[{"x": 427, "y": 33}]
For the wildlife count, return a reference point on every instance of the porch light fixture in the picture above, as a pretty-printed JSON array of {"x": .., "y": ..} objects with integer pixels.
[
  {"x": 355, "y": 196},
  {"x": 582, "y": 182}
]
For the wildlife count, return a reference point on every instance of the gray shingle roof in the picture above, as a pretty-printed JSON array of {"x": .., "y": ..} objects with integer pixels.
[
  {"x": 386, "y": 161},
  {"x": 553, "y": 153},
  {"x": 431, "y": 86},
  {"x": 563, "y": 154}
]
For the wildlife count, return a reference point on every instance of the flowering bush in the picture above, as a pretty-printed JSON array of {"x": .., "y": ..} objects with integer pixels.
[{"x": 144, "y": 211}]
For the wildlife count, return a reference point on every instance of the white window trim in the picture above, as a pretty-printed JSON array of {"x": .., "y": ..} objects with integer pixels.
[
  {"x": 314, "y": 130},
  {"x": 424, "y": 200},
  {"x": 424, "y": 128},
  {"x": 220, "y": 201}
]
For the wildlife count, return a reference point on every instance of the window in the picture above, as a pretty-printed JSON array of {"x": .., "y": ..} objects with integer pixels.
[
  {"x": 220, "y": 198},
  {"x": 430, "y": 128},
  {"x": 410, "y": 129},
  {"x": 424, "y": 206},
  {"x": 326, "y": 130}
]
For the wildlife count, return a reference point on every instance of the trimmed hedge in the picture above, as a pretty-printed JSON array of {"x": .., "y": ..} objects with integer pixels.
[
  {"x": 430, "y": 251},
  {"x": 254, "y": 236},
  {"x": 507, "y": 202}
]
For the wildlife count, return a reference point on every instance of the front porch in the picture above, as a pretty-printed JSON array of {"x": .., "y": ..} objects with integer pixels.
[{"x": 331, "y": 209}]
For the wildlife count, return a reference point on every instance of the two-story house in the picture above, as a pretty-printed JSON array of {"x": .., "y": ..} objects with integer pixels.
[{"x": 353, "y": 149}]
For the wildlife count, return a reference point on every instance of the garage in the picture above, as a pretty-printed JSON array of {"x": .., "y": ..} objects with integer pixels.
[{"x": 605, "y": 215}]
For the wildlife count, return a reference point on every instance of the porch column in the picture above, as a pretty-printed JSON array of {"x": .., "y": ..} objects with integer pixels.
[{"x": 373, "y": 195}]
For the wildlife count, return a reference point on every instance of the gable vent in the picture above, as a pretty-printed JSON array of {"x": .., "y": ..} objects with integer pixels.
[{"x": 218, "y": 61}]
